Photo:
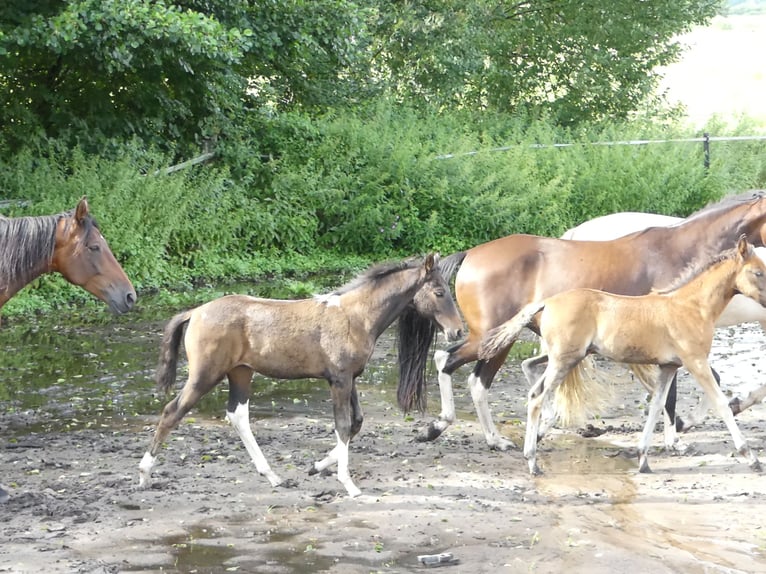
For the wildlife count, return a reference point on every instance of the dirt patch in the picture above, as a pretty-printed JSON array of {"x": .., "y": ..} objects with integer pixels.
[{"x": 74, "y": 506}]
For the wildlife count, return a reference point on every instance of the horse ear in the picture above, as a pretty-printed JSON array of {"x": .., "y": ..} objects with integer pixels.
[
  {"x": 744, "y": 249},
  {"x": 430, "y": 262},
  {"x": 82, "y": 210}
]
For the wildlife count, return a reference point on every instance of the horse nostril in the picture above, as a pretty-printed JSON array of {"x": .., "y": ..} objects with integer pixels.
[{"x": 130, "y": 300}]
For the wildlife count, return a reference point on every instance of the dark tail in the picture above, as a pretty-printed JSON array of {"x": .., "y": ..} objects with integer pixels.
[
  {"x": 416, "y": 336},
  {"x": 171, "y": 341}
]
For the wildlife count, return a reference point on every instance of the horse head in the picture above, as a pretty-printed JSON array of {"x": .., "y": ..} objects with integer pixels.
[
  {"x": 83, "y": 257},
  {"x": 434, "y": 301},
  {"x": 751, "y": 277}
]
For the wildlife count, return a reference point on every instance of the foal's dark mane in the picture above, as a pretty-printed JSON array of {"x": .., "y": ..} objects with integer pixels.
[
  {"x": 26, "y": 241},
  {"x": 694, "y": 269},
  {"x": 376, "y": 274}
]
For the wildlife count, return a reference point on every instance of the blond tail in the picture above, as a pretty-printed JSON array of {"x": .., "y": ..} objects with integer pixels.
[{"x": 502, "y": 337}]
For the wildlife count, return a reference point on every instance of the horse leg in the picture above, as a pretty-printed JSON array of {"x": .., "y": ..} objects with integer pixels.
[
  {"x": 479, "y": 383},
  {"x": 343, "y": 392},
  {"x": 701, "y": 371},
  {"x": 659, "y": 396},
  {"x": 553, "y": 376},
  {"x": 447, "y": 415},
  {"x": 533, "y": 369},
  {"x": 738, "y": 405},
  {"x": 238, "y": 411},
  {"x": 700, "y": 413},
  {"x": 172, "y": 414}
]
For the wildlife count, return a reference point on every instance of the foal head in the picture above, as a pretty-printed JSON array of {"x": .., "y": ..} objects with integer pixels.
[
  {"x": 434, "y": 301},
  {"x": 751, "y": 276}
]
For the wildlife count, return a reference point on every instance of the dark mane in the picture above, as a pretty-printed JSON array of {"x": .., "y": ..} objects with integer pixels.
[
  {"x": 26, "y": 241},
  {"x": 375, "y": 274},
  {"x": 694, "y": 269}
]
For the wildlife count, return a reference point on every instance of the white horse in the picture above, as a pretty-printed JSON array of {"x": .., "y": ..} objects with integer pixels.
[{"x": 740, "y": 309}]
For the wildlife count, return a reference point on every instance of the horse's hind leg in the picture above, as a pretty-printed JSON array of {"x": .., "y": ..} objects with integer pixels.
[
  {"x": 172, "y": 414},
  {"x": 237, "y": 412},
  {"x": 347, "y": 422},
  {"x": 659, "y": 398}
]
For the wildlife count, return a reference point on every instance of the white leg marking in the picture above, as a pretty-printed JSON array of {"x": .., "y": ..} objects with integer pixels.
[
  {"x": 240, "y": 420},
  {"x": 329, "y": 460},
  {"x": 481, "y": 403},
  {"x": 343, "y": 475},
  {"x": 447, "y": 415},
  {"x": 145, "y": 470}
]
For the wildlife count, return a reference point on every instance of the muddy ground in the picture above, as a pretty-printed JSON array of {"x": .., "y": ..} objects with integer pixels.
[{"x": 74, "y": 505}]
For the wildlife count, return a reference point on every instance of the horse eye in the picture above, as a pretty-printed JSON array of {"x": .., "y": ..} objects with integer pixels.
[
  {"x": 439, "y": 292},
  {"x": 94, "y": 248}
]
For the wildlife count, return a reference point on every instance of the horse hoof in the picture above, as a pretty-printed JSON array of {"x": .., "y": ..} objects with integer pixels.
[
  {"x": 430, "y": 433},
  {"x": 643, "y": 466},
  {"x": 679, "y": 424},
  {"x": 735, "y": 405},
  {"x": 313, "y": 470},
  {"x": 4, "y": 496}
]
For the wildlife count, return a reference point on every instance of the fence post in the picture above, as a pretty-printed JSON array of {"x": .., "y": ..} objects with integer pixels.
[{"x": 706, "y": 148}]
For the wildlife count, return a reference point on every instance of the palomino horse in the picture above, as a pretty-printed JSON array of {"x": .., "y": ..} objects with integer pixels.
[
  {"x": 667, "y": 328},
  {"x": 741, "y": 309},
  {"x": 68, "y": 243},
  {"x": 330, "y": 337},
  {"x": 496, "y": 279}
]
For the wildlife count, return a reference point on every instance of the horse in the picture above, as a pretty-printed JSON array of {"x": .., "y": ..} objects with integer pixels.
[
  {"x": 670, "y": 328},
  {"x": 494, "y": 280},
  {"x": 740, "y": 309},
  {"x": 330, "y": 337},
  {"x": 68, "y": 243}
]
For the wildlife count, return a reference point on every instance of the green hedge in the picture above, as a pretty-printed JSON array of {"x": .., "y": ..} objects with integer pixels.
[{"x": 353, "y": 187}]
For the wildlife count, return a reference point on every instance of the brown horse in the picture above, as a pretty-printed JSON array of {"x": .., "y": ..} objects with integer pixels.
[
  {"x": 670, "y": 328},
  {"x": 68, "y": 243},
  {"x": 330, "y": 337},
  {"x": 496, "y": 279}
]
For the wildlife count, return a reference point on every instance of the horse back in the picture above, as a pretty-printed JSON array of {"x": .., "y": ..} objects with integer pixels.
[{"x": 499, "y": 277}]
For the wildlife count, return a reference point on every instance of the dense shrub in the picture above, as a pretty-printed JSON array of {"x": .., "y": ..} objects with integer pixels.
[{"x": 353, "y": 187}]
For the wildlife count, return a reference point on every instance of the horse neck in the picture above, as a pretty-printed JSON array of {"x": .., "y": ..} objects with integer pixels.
[
  {"x": 26, "y": 251},
  {"x": 711, "y": 290},
  {"x": 377, "y": 306}
]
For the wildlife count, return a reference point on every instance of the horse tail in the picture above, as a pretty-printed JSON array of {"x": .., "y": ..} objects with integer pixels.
[
  {"x": 502, "y": 337},
  {"x": 171, "y": 341},
  {"x": 415, "y": 338},
  {"x": 449, "y": 265},
  {"x": 582, "y": 395}
]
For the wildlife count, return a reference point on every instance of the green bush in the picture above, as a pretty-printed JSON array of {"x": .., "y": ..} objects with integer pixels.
[{"x": 356, "y": 186}]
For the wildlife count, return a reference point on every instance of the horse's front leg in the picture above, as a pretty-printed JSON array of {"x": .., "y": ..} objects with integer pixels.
[
  {"x": 435, "y": 428},
  {"x": 348, "y": 421},
  {"x": 701, "y": 371},
  {"x": 479, "y": 383}
]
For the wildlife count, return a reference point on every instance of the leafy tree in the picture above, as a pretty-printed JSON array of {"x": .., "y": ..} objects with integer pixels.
[
  {"x": 574, "y": 59},
  {"x": 169, "y": 73}
]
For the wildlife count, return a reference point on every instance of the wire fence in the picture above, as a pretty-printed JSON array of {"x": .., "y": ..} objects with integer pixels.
[{"x": 705, "y": 139}]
